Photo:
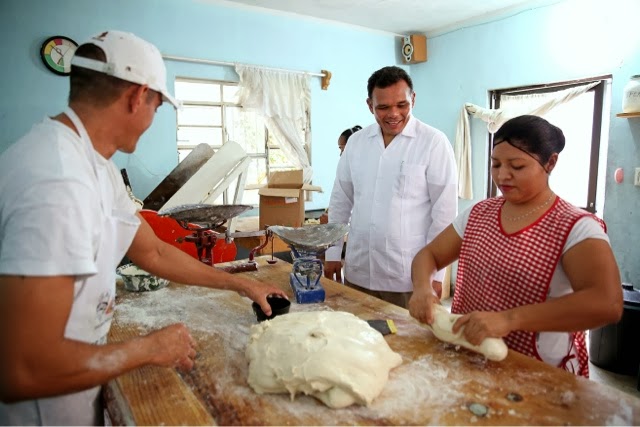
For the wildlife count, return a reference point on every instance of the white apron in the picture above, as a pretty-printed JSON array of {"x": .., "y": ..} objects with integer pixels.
[{"x": 92, "y": 310}]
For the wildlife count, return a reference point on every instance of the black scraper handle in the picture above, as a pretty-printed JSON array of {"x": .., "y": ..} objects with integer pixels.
[{"x": 384, "y": 326}]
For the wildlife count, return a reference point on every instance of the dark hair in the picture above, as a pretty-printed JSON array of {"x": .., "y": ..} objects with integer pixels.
[
  {"x": 88, "y": 85},
  {"x": 386, "y": 77},
  {"x": 348, "y": 132},
  {"x": 533, "y": 135}
]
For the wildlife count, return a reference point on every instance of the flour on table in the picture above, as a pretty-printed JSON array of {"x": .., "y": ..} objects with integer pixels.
[{"x": 331, "y": 355}]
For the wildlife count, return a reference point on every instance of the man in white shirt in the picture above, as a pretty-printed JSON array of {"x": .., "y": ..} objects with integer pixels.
[
  {"x": 396, "y": 187},
  {"x": 66, "y": 221}
]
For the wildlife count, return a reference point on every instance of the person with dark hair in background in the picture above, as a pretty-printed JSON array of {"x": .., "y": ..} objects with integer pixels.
[
  {"x": 396, "y": 188},
  {"x": 66, "y": 221},
  {"x": 532, "y": 268},
  {"x": 342, "y": 143},
  {"x": 344, "y": 137}
]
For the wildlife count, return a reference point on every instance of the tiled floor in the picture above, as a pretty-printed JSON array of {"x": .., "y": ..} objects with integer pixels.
[{"x": 626, "y": 383}]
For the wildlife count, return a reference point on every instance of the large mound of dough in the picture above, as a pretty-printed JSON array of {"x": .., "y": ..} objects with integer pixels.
[{"x": 331, "y": 355}]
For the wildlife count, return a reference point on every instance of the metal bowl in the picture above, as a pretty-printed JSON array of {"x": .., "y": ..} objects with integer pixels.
[
  {"x": 137, "y": 280},
  {"x": 313, "y": 238}
]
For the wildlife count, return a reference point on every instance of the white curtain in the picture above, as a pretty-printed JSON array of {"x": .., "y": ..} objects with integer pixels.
[
  {"x": 536, "y": 105},
  {"x": 284, "y": 100}
]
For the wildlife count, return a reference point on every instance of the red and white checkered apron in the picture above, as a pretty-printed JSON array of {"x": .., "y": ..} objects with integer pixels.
[{"x": 497, "y": 271}]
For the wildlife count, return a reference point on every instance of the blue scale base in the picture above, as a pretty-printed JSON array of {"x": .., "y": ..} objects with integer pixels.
[{"x": 305, "y": 295}]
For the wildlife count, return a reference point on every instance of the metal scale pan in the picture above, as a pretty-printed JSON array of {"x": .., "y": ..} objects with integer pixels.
[
  {"x": 205, "y": 216},
  {"x": 310, "y": 238}
]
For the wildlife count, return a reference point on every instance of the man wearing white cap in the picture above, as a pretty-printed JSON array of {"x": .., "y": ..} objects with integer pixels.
[{"x": 66, "y": 222}]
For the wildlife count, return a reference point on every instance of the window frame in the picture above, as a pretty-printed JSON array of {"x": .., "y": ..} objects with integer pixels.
[
  {"x": 596, "y": 129},
  {"x": 269, "y": 148}
]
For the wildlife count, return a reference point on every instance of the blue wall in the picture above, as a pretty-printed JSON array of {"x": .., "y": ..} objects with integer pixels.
[
  {"x": 569, "y": 40},
  {"x": 192, "y": 28}
]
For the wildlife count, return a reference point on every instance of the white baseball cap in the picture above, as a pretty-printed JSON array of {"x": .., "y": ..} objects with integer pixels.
[{"x": 129, "y": 58}]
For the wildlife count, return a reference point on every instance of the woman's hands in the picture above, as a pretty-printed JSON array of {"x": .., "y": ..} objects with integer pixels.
[
  {"x": 421, "y": 303},
  {"x": 479, "y": 325}
]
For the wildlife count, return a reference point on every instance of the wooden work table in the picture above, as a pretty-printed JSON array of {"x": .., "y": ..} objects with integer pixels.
[{"x": 436, "y": 383}]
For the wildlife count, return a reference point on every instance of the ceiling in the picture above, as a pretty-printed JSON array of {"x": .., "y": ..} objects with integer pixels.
[{"x": 400, "y": 17}]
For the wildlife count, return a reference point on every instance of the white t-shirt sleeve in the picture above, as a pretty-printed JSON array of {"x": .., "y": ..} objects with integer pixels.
[
  {"x": 61, "y": 233},
  {"x": 460, "y": 222},
  {"x": 585, "y": 228}
]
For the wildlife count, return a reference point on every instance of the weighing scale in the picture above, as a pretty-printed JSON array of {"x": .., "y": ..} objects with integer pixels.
[{"x": 306, "y": 244}]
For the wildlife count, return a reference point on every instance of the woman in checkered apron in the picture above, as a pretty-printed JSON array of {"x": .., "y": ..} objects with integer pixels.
[{"x": 532, "y": 268}]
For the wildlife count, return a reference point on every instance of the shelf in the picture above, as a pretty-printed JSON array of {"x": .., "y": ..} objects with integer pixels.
[{"x": 628, "y": 115}]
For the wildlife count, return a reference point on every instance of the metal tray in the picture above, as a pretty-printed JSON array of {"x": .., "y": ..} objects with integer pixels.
[
  {"x": 207, "y": 216},
  {"x": 311, "y": 237}
]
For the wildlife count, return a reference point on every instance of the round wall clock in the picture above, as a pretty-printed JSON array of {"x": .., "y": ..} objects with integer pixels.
[{"x": 56, "y": 53}]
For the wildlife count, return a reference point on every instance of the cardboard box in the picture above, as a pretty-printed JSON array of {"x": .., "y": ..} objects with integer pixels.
[{"x": 282, "y": 199}]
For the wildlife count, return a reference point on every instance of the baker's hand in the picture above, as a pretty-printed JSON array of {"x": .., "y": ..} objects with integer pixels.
[
  {"x": 479, "y": 325},
  {"x": 259, "y": 291},
  {"x": 172, "y": 346},
  {"x": 333, "y": 270},
  {"x": 421, "y": 304}
]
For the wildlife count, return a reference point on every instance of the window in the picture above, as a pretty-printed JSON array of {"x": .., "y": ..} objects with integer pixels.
[
  {"x": 575, "y": 177},
  {"x": 211, "y": 115}
]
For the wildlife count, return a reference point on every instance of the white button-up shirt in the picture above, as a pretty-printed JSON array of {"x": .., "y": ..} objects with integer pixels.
[{"x": 396, "y": 200}]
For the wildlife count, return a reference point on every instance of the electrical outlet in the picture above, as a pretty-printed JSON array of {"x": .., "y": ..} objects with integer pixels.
[{"x": 636, "y": 178}]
